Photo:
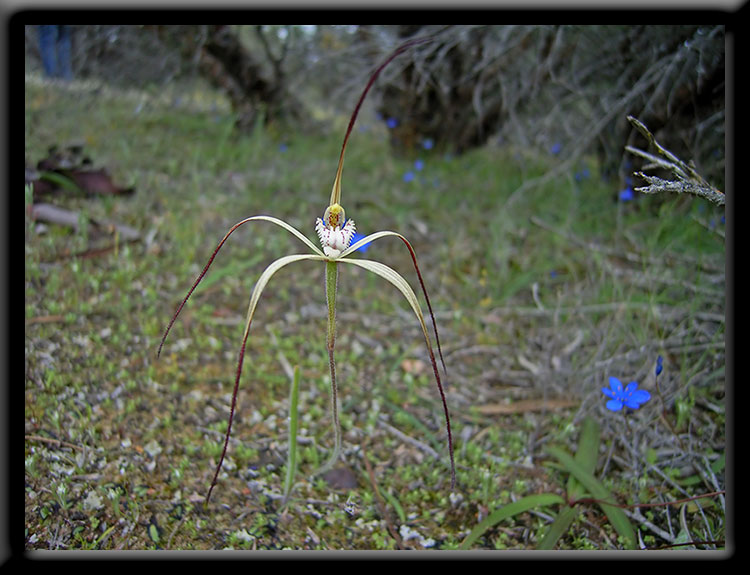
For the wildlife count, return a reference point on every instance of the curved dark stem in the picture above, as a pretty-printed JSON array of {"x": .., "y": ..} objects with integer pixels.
[
  {"x": 432, "y": 359},
  {"x": 401, "y": 49},
  {"x": 397, "y": 52},
  {"x": 195, "y": 284}
]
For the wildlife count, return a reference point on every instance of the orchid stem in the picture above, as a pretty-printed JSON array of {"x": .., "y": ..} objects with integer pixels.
[{"x": 332, "y": 273}]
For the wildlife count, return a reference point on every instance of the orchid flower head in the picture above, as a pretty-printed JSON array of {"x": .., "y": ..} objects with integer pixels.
[{"x": 335, "y": 231}]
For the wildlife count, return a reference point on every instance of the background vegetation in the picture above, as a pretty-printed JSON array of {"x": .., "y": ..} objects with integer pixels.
[{"x": 543, "y": 287}]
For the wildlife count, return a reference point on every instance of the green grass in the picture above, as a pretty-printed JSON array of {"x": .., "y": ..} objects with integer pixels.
[{"x": 542, "y": 299}]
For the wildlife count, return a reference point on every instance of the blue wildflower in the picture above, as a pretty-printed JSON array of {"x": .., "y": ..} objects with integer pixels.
[
  {"x": 428, "y": 143},
  {"x": 628, "y": 396},
  {"x": 418, "y": 165},
  {"x": 659, "y": 366},
  {"x": 555, "y": 149},
  {"x": 391, "y": 122},
  {"x": 626, "y": 195},
  {"x": 283, "y": 147},
  {"x": 408, "y": 176}
]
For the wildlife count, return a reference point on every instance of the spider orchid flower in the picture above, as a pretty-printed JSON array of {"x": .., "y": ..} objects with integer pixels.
[{"x": 335, "y": 233}]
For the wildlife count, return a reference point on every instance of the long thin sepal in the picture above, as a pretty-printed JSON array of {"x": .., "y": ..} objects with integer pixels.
[
  {"x": 371, "y": 238},
  {"x": 397, "y": 280},
  {"x": 254, "y": 298},
  {"x": 271, "y": 219},
  {"x": 336, "y": 191}
]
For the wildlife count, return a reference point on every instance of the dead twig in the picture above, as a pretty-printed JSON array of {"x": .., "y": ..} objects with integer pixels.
[
  {"x": 688, "y": 180},
  {"x": 59, "y": 442}
]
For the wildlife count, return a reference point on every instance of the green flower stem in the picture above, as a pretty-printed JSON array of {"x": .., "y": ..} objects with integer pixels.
[{"x": 332, "y": 274}]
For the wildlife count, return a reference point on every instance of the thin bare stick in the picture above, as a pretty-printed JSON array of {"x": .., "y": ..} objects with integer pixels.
[{"x": 688, "y": 180}]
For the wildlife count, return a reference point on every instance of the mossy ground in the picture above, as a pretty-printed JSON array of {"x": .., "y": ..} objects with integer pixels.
[{"x": 537, "y": 304}]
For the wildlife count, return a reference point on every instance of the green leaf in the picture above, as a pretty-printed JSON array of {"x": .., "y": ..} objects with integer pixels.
[
  {"x": 153, "y": 533},
  {"x": 717, "y": 467},
  {"x": 558, "y": 528},
  {"x": 586, "y": 455},
  {"x": 523, "y": 504},
  {"x": 615, "y": 515},
  {"x": 396, "y": 505}
]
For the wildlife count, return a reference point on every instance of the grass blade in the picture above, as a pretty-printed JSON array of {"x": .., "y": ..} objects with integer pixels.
[
  {"x": 291, "y": 457},
  {"x": 557, "y": 528}
]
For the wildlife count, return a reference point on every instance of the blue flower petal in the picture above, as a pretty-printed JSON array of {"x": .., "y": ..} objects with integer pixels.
[
  {"x": 615, "y": 384},
  {"x": 637, "y": 398},
  {"x": 614, "y": 405},
  {"x": 631, "y": 387}
]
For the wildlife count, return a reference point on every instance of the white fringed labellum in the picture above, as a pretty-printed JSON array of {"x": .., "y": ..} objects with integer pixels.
[{"x": 334, "y": 237}]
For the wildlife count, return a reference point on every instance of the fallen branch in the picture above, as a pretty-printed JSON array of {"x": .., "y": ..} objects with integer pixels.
[{"x": 57, "y": 215}]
